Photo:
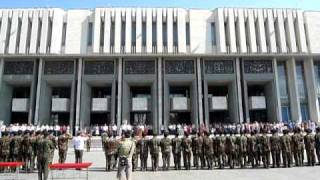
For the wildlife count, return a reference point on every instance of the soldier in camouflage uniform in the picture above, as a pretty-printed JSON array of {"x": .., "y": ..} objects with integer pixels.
[
  {"x": 265, "y": 149},
  {"x": 220, "y": 149},
  {"x": 196, "y": 149},
  {"x": 176, "y": 151},
  {"x": 45, "y": 147},
  {"x": 63, "y": 141},
  {"x": 27, "y": 151},
  {"x": 186, "y": 150},
  {"x": 111, "y": 145},
  {"x": 4, "y": 148},
  {"x": 88, "y": 142},
  {"x": 241, "y": 142},
  {"x": 165, "y": 144},
  {"x": 252, "y": 149},
  {"x": 298, "y": 147},
  {"x": 134, "y": 156},
  {"x": 208, "y": 150},
  {"x": 154, "y": 146},
  {"x": 15, "y": 148},
  {"x": 275, "y": 146},
  {"x": 317, "y": 143},
  {"x": 230, "y": 150},
  {"x": 54, "y": 142},
  {"x": 309, "y": 140},
  {"x": 286, "y": 149},
  {"x": 144, "y": 151}
]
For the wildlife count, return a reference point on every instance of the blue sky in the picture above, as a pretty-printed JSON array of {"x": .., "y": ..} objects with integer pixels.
[{"x": 207, "y": 4}]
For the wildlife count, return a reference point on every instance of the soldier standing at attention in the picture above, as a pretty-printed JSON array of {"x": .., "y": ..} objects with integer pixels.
[
  {"x": 27, "y": 151},
  {"x": 275, "y": 145},
  {"x": 88, "y": 142},
  {"x": 125, "y": 151},
  {"x": 44, "y": 148},
  {"x": 309, "y": 140},
  {"x": 4, "y": 148},
  {"x": 196, "y": 150},
  {"x": 53, "y": 139},
  {"x": 134, "y": 156},
  {"x": 176, "y": 151},
  {"x": 144, "y": 151},
  {"x": 63, "y": 141},
  {"x": 230, "y": 150},
  {"x": 208, "y": 149},
  {"x": 154, "y": 152},
  {"x": 186, "y": 149},
  {"x": 111, "y": 150},
  {"x": 317, "y": 143},
  {"x": 220, "y": 145},
  {"x": 15, "y": 146},
  {"x": 252, "y": 149},
  {"x": 298, "y": 147},
  {"x": 165, "y": 144},
  {"x": 265, "y": 149},
  {"x": 286, "y": 148},
  {"x": 241, "y": 142}
]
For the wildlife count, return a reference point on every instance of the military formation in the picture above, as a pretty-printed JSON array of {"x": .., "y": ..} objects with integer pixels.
[{"x": 222, "y": 149}]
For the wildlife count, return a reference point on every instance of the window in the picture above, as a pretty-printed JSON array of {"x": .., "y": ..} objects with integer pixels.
[
  {"x": 304, "y": 112},
  {"x": 123, "y": 33},
  {"x": 154, "y": 34},
  {"x": 144, "y": 33},
  {"x": 277, "y": 34},
  {"x": 49, "y": 36},
  {"x": 112, "y": 33},
  {"x": 164, "y": 34},
  {"x": 90, "y": 33},
  {"x": 300, "y": 80},
  {"x": 39, "y": 34},
  {"x": 64, "y": 32},
  {"x": 18, "y": 34},
  {"x": 226, "y": 31},
  {"x": 187, "y": 33},
  {"x": 8, "y": 34},
  {"x": 102, "y": 33},
  {"x": 29, "y": 35},
  {"x": 133, "y": 33},
  {"x": 282, "y": 75},
  {"x": 285, "y": 113},
  {"x": 213, "y": 34},
  {"x": 175, "y": 34},
  {"x": 267, "y": 34}
]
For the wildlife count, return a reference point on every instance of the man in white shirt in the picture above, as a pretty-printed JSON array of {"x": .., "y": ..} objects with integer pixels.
[{"x": 78, "y": 144}]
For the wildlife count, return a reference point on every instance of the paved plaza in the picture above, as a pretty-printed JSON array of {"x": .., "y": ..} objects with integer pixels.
[{"x": 96, "y": 172}]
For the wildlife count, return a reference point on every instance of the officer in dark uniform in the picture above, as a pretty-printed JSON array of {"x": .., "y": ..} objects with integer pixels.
[
  {"x": 45, "y": 147},
  {"x": 63, "y": 141}
]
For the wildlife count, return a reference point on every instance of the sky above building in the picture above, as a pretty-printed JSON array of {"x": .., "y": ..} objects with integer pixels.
[{"x": 203, "y": 4}]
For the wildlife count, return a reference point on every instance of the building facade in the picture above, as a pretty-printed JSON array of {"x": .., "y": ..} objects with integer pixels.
[{"x": 159, "y": 66}]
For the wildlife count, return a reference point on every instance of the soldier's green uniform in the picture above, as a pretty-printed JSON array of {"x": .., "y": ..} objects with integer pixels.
[
  {"x": 309, "y": 140},
  {"x": 264, "y": 142},
  {"x": 275, "y": 146},
  {"x": 154, "y": 146},
  {"x": 252, "y": 149},
  {"x": 298, "y": 147},
  {"x": 144, "y": 151},
  {"x": 125, "y": 151},
  {"x": 63, "y": 140},
  {"x": 27, "y": 151},
  {"x": 231, "y": 150},
  {"x": 4, "y": 148},
  {"x": 15, "y": 148},
  {"x": 208, "y": 150},
  {"x": 286, "y": 149},
  {"x": 111, "y": 145},
  {"x": 186, "y": 150},
  {"x": 241, "y": 142},
  {"x": 176, "y": 151},
  {"x": 45, "y": 147},
  {"x": 165, "y": 144},
  {"x": 135, "y": 154},
  {"x": 196, "y": 150},
  {"x": 54, "y": 142},
  {"x": 88, "y": 143},
  {"x": 317, "y": 144},
  {"x": 220, "y": 150}
]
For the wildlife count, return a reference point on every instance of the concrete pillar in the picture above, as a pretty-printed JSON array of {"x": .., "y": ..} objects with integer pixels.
[
  {"x": 166, "y": 104},
  {"x": 126, "y": 96},
  {"x": 119, "y": 95},
  {"x": 33, "y": 92},
  {"x": 160, "y": 94},
  {"x": 1, "y": 70},
  {"x": 293, "y": 91},
  {"x": 154, "y": 110},
  {"x": 277, "y": 100},
  {"x": 233, "y": 102},
  {"x": 78, "y": 78},
  {"x": 206, "y": 103},
  {"x": 85, "y": 104},
  {"x": 194, "y": 104},
  {"x": 311, "y": 89},
  {"x": 40, "y": 72},
  {"x": 113, "y": 101},
  {"x": 5, "y": 97},
  {"x": 200, "y": 95},
  {"x": 239, "y": 89}
]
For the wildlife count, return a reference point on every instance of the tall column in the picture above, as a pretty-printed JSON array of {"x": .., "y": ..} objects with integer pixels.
[
  {"x": 200, "y": 95},
  {"x": 1, "y": 70},
  {"x": 277, "y": 91},
  {"x": 293, "y": 91},
  {"x": 160, "y": 94},
  {"x": 38, "y": 94},
  {"x": 206, "y": 103},
  {"x": 239, "y": 89},
  {"x": 119, "y": 95},
  {"x": 33, "y": 92},
  {"x": 78, "y": 100},
  {"x": 311, "y": 89},
  {"x": 113, "y": 102}
]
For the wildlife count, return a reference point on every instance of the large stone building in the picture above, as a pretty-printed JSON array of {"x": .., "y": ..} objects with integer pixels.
[{"x": 159, "y": 66}]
